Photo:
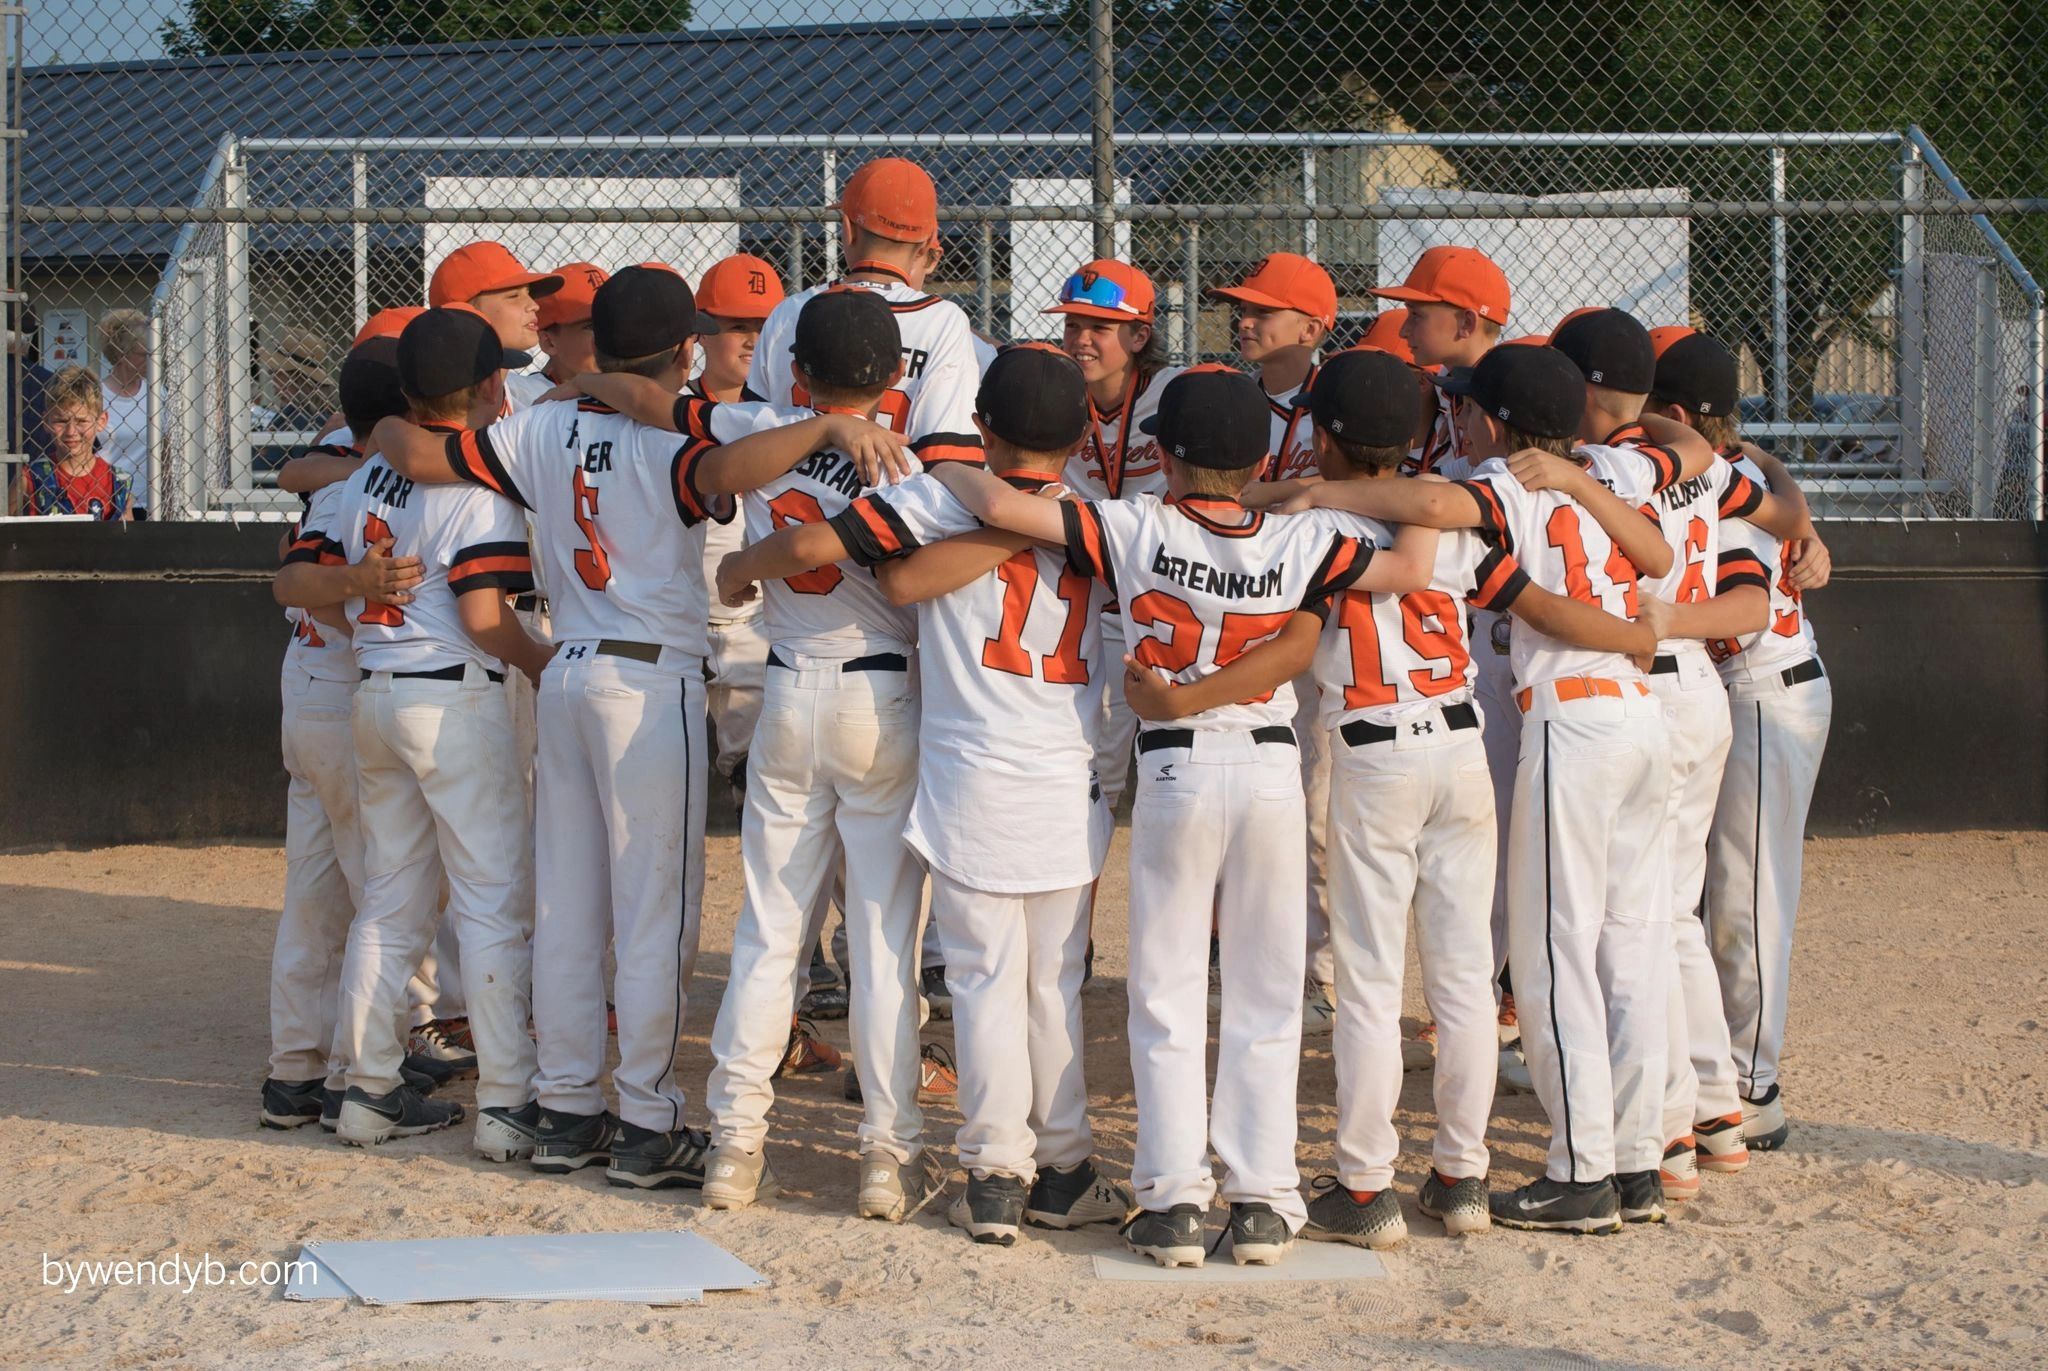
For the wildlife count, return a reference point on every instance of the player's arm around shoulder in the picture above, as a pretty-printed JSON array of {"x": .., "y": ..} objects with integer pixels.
[
  {"x": 1582, "y": 625},
  {"x": 1001, "y": 505},
  {"x": 311, "y": 471},
  {"x": 1409, "y": 500},
  {"x": 418, "y": 454},
  {"x": 940, "y": 568},
  {"x": 772, "y": 444}
]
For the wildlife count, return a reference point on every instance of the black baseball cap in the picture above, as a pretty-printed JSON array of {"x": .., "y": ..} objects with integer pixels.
[
  {"x": 445, "y": 350},
  {"x": 847, "y": 337},
  {"x": 1369, "y": 398},
  {"x": 1698, "y": 372},
  {"x": 1212, "y": 416},
  {"x": 642, "y": 310},
  {"x": 1535, "y": 389},
  {"x": 1610, "y": 348},
  {"x": 369, "y": 385},
  {"x": 1032, "y": 395}
]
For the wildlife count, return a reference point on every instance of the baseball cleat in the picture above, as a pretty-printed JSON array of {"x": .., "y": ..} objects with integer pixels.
[
  {"x": 937, "y": 1078},
  {"x": 1419, "y": 1052},
  {"x": 330, "y": 1109},
  {"x": 824, "y": 1002},
  {"x": 1679, "y": 1173},
  {"x": 367, "y": 1119},
  {"x": 1642, "y": 1196},
  {"x": 1721, "y": 1146},
  {"x": 1514, "y": 1070},
  {"x": 648, "y": 1160},
  {"x": 1459, "y": 1205},
  {"x": 1764, "y": 1126},
  {"x": 1088, "y": 965},
  {"x": 991, "y": 1211},
  {"x": 807, "y": 1053},
  {"x": 569, "y": 1142},
  {"x": 1507, "y": 1023},
  {"x": 1318, "y": 1009},
  {"x": 1171, "y": 1237},
  {"x": 931, "y": 982},
  {"x": 1559, "y": 1206},
  {"x": 1336, "y": 1215},
  {"x": 444, "y": 1049},
  {"x": 507, "y": 1135},
  {"x": 891, "y": 1190},
  {"x": 1076, "y": 1197},
  {"x": 1259, "y": 1236},
  {"x": 291, "y": 1104},
  {"x": 735, "y": 1178}
]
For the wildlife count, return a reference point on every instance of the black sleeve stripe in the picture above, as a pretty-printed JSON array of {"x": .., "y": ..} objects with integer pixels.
[
  {"x": 1735, "y": 580},
  {"x": 489, "y": 454},
  {"x": 1340, "y": 568},
  {"x": 514, "y": 582},
  {"x": 693, "y": 506}
]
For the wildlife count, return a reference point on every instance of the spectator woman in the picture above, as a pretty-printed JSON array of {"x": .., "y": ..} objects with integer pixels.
[{"x": 124, "y": 347}]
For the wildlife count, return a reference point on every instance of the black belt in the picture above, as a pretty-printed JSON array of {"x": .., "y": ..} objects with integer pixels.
[
  {"x": 622, "y": 647},
  {"x": 446, "y": 673},
  {"x": 1152, "y": 739},
  {"x": 874, "y": 661},
  {"x": 529, "y": 602},
  {"x": 1808, "y": 670},
  {"x": 1358, "y": 732},
  {"x": 1663, "y": 666}
]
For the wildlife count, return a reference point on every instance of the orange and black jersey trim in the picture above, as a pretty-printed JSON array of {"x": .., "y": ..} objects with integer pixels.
[
  {"x": 1742, "y": 498},
  {"x": 504, "y": 566},
  {"x": 1087, "y": 547},
  {"x": 872, "y": 532},
  {"x": 1740, "y": 567},
  {"x": 317, "y": 549},
  {"x": 1339, "y": 570},
  {"x": 1498, "y": 581},
  {"x": 1666, "y": 460},
  {"x": 935, "y": 448},
  {"x": 692, "y": 414},
  {"x": 1493, "y": 516},
  {"x": 473, "y": 457},
  {"x": 1214, "y": 514}
]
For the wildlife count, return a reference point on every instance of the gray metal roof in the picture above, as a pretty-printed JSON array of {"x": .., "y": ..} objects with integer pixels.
[{"x": 142, "y": 133}]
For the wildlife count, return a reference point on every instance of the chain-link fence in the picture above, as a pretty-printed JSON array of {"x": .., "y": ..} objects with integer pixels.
[{"x": 256, "y": 176}]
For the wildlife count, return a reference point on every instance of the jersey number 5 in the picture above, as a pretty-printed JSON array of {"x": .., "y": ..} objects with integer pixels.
[
  {"x": 1006, "y": 652},
  {"x": 592, "y": 565},
  {"x": 375, "y": 531}
]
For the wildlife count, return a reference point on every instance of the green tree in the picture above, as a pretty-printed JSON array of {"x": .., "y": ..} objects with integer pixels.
[{"x": 217, "y": 27}]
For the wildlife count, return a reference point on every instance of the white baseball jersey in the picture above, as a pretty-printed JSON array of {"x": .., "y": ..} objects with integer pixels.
[
  {"x": 465, "y": 539},
  {"x": 1689, "y": 513},
  {"x": 932, "y": 405},
  {"x": 523, "y": 389},
  {"x": 315, "y": 648},
  {"x": 1116, "y": 458},
  {"x": 617, "y": 515},
  {"x": 1009, "y": 666},
  {"x": 1566, "y": 551},
  {"x": 1443, "y": 452},
  {"x": 1751, "y": 556},
  {"x": 1385, "y": 657},
  {"x": 1291, "y": 450},
  {"x": 836, "y": 612},
  {"x": 722, "y": 538},
  {"x": 1203, "y": 580}
]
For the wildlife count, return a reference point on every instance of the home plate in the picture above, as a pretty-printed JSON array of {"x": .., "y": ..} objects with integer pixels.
[
  {"x": 1307, "y": 1261},
  {"x": 632, "y": 1268}
]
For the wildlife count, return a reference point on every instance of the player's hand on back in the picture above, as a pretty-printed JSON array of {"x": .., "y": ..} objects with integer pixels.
[
  {"x": 1810, "y": 563},
  {"x": 733, "y": 586},
  {"x": 878, "y": 454},
  {"x": 1655, "y": 614},
  {"x": 568, "y": 390},
  {"x": 1538, "y": 470},
  {"x": 383, "y": 579},
  {"x": 1148, "y": 692}
]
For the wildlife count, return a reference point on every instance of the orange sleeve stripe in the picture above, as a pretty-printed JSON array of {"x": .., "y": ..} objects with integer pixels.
[
  {"x": 950, "y": 452},
  {"x": 485, "y": 566},
  {"x": 1503, "y": 571},
  {"x": 471, "y": 463},
  {"x": 1667, "y": 462},
  {"x": 885, "y": 536}
]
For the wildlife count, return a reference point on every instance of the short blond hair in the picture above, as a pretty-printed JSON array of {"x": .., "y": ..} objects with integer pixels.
[
  {"x": 75, "y": 386},
  {"x": 122, "y": 331}
]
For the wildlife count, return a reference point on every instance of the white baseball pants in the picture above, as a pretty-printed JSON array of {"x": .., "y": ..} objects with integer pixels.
[
  {"x": 739, "y": 656},
  {"x": 619, "y": 858},
  {"x": 1315, "y": 786},
  {"x": 435, "y": 991},
  {"x": 835, "y": 752},
  {"x": 1411, "y": 825},
  {"x": 1700, "y": 1076},
  {"x": 436, "y": 772},
  {"x": 1589, "y": 911},
  {"x": 1500, "y": 722},
  {"x": 1755, "y": 859},
  {"x": 1013, "y": 964},
  {"x": 1217, "y": 825},
  {"x": 323, "y": 875}
]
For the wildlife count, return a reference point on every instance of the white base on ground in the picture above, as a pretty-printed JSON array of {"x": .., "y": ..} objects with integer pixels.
[{"x": 631, "y": 1268}]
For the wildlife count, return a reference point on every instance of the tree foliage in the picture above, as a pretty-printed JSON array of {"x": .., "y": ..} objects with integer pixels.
[{"x": 213, "y": 28}]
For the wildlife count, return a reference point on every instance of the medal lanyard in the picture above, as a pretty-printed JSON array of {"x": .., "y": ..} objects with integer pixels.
[
  {"x": 1287, "y": 434},
  {"x": 1113, "y": 475}
]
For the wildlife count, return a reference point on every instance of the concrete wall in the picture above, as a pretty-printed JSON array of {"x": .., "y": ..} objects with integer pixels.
[{"x": 139, "y": 701}]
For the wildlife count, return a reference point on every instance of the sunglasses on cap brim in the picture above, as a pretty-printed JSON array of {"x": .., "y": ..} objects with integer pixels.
[{"x": 1101, "y": 292}]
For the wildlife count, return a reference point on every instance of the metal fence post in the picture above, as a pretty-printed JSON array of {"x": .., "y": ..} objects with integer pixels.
[
  {"x": 360, "y": 234},
  {"x": 985, "y": 279},
  {"x": 796, "y": 258},
  {"x": 1102, "y": 55},
  {"x": 831, "y": 181},
  {"x": 1912, "y": 307},
  {"x": 1781, "y": 323},
  {"x": 241, "y": 389},
  {"x": 153, "y": 425},
  {"x": 1308, "y": 198},
  {"x": 2031, "y": 406},
  {"x": 1191, "y": 295},
  {"x": 1985, "y": 445}
]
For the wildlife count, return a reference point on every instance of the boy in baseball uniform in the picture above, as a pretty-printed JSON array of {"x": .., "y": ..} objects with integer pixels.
[
  {"x": 1006, "y": 631},
  {"x": 1218, "y": 820},
  {"x": 485, "y": 276},
  {"x": 619, "y": 513},
  {"x": 434, "y": 752}
]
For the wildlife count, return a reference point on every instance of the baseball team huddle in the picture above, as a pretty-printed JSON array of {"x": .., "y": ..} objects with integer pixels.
[{"x": 1505, "y": 633}]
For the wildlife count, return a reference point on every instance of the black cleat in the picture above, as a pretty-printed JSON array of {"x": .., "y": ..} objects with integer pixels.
[
  {"x": 1642, "y": 1196},
  {"x": 291, "y": 1104},
  {"x": 367, "y": 1119},
  {"x": 570, "y": 1142},
  {"x": 418, "y": 1066},
  {"x": 1259, "y": 1236},
  {"x": 1334, "y": 1216},
  {"x": 1171, "y": 1237},
  {"x": 1076, "y": 1197},
  {"x": 1559, "y": 1206},
  {"x": 991, "y": 1211},
  {"x": 931, "y": 982},
  {"x": 649, "y": 1160}
]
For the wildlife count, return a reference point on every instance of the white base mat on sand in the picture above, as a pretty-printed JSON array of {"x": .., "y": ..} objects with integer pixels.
[
  {"x": 632, "y": 1268},
  {"x": 1309, "y": 1261}
]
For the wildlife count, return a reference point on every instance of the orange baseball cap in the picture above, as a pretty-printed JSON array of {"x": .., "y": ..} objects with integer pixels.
[
  {"x": 571, "y": 304},
  {"x": 1383, "y": 334},
  {"x": 1662, "y": 338},
  {"x": 1464, "y": 278},
  {"x": 480, "y": 268},
  {"x": 1287, "y": 280},
  {"x": 741, "y": 286},
  {"x": 1106, "y": 289},
  {"x": 892, "y": 198},
  {"x": 387, "y": 323}
]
